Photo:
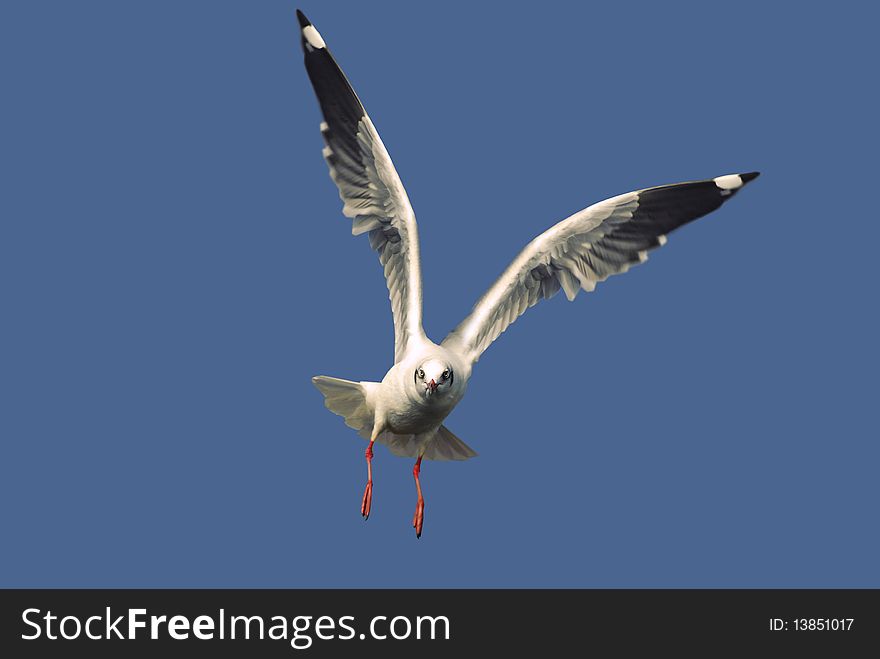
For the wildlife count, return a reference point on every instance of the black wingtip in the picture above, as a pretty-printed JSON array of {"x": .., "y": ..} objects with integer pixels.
[
  {"x": 303, "y": 21},
  {"x": 751, "y": 176}
]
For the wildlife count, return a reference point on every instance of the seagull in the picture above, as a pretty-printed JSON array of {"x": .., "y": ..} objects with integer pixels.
[{"x": 406, "y": 410}]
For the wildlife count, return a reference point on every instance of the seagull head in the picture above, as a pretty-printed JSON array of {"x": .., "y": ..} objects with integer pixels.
[{"x": 434, "y": 378}]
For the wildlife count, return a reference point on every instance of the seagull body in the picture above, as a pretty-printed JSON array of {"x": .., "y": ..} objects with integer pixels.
[{"x": 406, "y": 410}]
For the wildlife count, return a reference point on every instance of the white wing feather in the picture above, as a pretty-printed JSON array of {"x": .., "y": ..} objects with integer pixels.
[
  {"x": 370, "y": 188},
  {"x": 585, "y": 249}
]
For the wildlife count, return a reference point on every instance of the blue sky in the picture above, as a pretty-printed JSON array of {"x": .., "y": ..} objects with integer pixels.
[{"x": 174, "y": 267}]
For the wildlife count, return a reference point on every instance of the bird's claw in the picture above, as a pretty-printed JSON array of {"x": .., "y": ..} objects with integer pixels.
[
  {"x": 368, "y": 500},
  {"x": 419, "y": 518}
]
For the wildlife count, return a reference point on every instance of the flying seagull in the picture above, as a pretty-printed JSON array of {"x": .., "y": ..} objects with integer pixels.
[{"x": 406, "y": 410}]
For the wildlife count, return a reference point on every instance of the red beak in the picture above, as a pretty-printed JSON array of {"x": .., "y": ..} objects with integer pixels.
[{"x": 432, "y": 385}]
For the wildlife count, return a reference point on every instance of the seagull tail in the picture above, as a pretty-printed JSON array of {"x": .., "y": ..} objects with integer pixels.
[
  {"x": 439, "y": 444},
  {"x": 347, "y": 399},
  {"x": 446, "y": 446}
]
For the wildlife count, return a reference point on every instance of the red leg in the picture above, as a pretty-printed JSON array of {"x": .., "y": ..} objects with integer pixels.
[
  {"x": 368, "y": 491},
  {"x": 419, "y": 517}
]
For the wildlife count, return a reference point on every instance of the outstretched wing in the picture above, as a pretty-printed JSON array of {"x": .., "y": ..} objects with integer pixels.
[
  {"x": 586, "y": 248},
  {"x": 371, "y": 191}
]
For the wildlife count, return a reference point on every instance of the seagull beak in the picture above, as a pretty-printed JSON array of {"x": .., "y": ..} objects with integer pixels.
[{"x": 432, "y": 386}]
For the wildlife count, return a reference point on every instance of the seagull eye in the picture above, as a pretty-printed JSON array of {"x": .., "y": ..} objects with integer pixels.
[
  {"x": 445, "y": 375},
  {"x": 421, "y": 374}
]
